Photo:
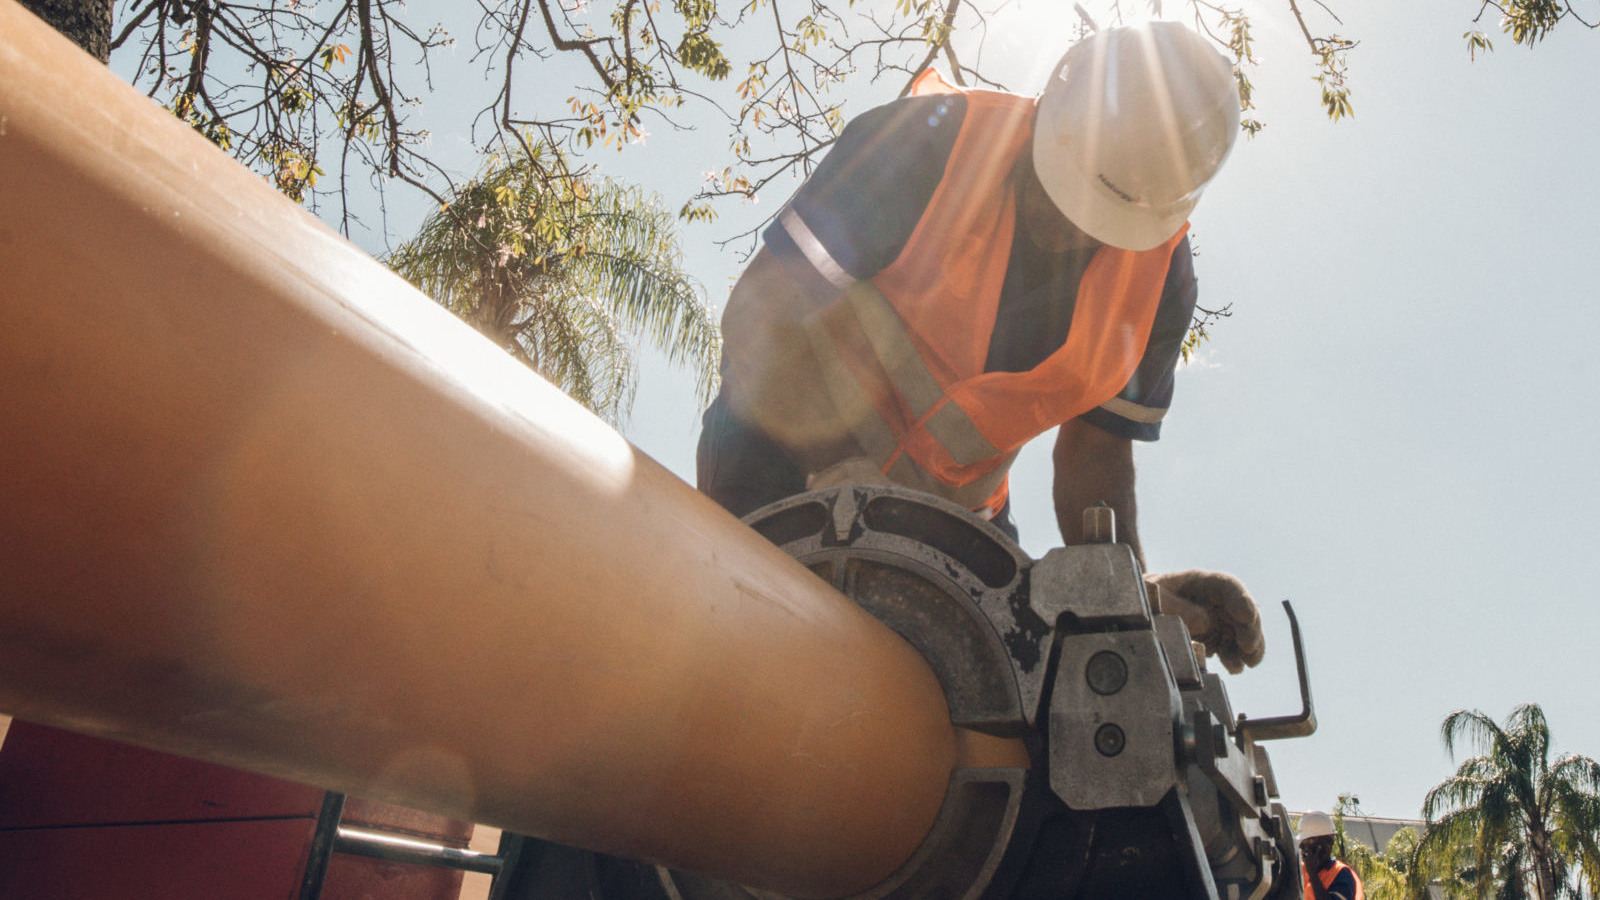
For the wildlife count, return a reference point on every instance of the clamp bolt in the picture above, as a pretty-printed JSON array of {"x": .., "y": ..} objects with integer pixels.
[
  {"x": 1107, "y": 673},
  {"x": 1109, "y": 740},
  {"x": 1100, "y": 524},
  {"x": 1219, "y": 740},
  {"x": 1267, "y": 850}
]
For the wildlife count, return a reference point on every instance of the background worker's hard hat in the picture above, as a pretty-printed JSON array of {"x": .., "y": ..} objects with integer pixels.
[
  {"x": 1314, "y": 824},
  {"x": 1130, "y": 128}
]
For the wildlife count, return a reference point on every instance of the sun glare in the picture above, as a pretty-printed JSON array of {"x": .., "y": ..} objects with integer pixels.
[
  {"x": 472, "y": 362},
  {"x": 1026, "y": 38}
]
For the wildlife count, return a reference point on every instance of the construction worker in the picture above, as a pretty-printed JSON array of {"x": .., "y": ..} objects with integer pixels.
[
  {"x": 1326, "y": 878},
  {"x": 968, "y": 269}
]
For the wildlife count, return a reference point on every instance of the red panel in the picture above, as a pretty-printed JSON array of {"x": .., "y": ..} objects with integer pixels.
[
  {"x": 54, "y": 777},
  {"x": 212, "y": 860},
  {"x": 51, "y": 778},
  {"x": 360, "y": 878}
]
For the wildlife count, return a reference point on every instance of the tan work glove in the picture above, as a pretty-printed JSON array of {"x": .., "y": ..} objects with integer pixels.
[{"x": 1218, "y": 611}]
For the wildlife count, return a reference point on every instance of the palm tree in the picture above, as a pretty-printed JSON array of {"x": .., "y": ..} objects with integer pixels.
[
  {"x": 1520, "y": 822},
  {"x": 564, "y": 273}
]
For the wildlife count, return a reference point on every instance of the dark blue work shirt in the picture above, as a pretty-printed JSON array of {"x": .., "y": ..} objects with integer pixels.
[
  {"x": 865, "y": 199},
  {"x": 1344, "y": 883}
]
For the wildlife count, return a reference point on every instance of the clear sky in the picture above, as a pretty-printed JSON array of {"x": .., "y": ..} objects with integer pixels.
[{"x": 1395, "y": 429}]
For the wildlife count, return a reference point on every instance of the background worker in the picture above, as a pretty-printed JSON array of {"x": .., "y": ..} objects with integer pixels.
[
  {"x": 1326, "y": 878},
  {"x": 968, "y": 269}
]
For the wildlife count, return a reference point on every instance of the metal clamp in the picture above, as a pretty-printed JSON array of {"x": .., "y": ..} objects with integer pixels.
[{"x": 1133, "y": 744}]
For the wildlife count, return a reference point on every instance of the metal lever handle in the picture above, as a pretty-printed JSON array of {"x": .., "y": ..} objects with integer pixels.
[{"x": 1274, "y": 728}]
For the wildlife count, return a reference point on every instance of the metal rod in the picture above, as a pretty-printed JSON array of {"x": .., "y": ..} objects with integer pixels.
[
  {"x": 1302, "y": 724},
  {"x": 394, "y": 848},
  {"x": 323, "y": 842},
  {"x": 264, "y": 504}
]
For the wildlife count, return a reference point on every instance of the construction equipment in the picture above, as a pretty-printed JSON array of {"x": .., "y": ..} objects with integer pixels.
[
  {"x": 1137, "y": 780},
  {"x": 266, "y": 505}
]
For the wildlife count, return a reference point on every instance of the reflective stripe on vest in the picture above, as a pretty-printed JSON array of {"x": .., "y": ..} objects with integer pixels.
[
  {"x": 863, "y": 310},
  {"x": 1326, "y": 876},
  {"x": 903, "y": 355}
]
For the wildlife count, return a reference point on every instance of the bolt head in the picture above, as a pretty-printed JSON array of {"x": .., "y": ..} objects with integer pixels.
[
  {"x": 1109, "y": 740},
  {"x": 1107, "y": 673}
]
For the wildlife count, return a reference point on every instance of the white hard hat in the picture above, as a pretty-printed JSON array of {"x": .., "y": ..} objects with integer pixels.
[
  {"x": 1130, "y": 128},
  {"x": 1315, "y": 824}
]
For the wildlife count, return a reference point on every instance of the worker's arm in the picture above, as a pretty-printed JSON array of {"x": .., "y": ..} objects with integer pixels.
[
  {"x": 1311, "y": 861},
  {"x": 765, "y": 313},
  {"x": 1092, "y": 466},
  {"x": 768, "y": 372}
]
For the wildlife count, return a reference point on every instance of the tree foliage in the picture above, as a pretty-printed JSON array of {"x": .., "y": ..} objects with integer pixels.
[
  {"x": 1526, "y": 22},
  {"x": 565, "y": 274},
  {"x": 1397, "y": 871},
  {"x": 297, "y": 90},
  {"x": 1511, "y": 822}
]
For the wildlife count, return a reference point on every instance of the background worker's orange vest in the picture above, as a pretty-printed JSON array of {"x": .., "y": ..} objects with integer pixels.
[
  {"x": 1326, "y": 876},
  {"x": 912, "y": 342}
]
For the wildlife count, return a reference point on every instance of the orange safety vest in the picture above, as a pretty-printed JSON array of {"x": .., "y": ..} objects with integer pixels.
[
  {"x": 1328, "y": 875},
  {"x": 902, "y": 355}
]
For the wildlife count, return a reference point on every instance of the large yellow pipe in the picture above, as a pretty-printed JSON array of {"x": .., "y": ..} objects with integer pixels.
[{"x": 263, "y": 503}]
